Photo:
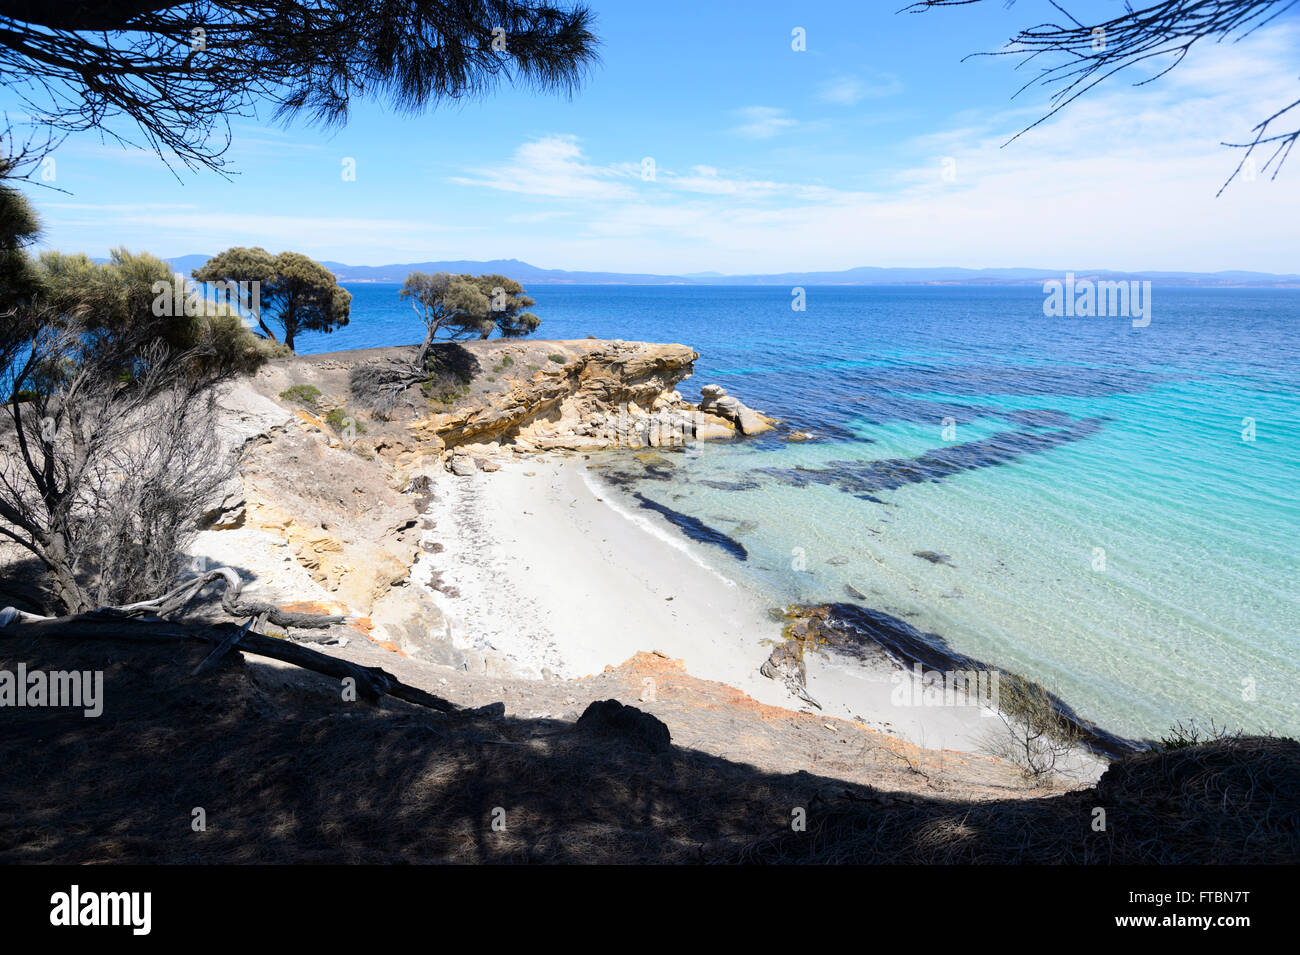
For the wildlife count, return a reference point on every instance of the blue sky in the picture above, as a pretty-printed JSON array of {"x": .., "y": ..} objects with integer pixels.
[{"x": 876, "y": 145}]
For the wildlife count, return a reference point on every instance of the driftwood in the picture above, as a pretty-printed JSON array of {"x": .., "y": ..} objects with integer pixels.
[
  {"x": 177, "y": 598},
  {"x": 371, "y": 682},
  {"x": 224, "y": 647}
]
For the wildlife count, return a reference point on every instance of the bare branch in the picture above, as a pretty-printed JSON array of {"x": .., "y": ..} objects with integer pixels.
[{"x": 1155, "y": 39}]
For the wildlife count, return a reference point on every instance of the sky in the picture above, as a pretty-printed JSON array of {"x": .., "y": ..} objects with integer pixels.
[{"x": 703, "y": 141}]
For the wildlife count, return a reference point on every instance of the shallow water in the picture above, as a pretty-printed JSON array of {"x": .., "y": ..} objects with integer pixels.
[{"x": 1089, "y": 503}]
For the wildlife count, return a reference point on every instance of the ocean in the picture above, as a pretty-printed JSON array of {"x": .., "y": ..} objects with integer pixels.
[{"x": 1107, "y": 509}]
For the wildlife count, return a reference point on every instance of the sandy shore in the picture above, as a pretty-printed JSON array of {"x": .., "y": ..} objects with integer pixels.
[{"x": 540, "y": 565}]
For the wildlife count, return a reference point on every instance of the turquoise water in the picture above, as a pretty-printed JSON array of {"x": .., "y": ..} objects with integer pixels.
[{"x": 1097, "y": 512}]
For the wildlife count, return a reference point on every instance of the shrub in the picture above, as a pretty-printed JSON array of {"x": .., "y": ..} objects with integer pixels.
[
  {"x": 303, "y": 394},
  {"x": 443, "y": 391},
  {"x": 558, "y": 359},
  {"x": 267, "y": 349},
  {"x": 1035, "y": 735},
  {"x": 339, "y": 420},
  {"x": 1181, "y": 735}
]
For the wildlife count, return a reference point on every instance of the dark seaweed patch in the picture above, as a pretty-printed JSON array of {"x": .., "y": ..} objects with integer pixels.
[
  {"x": 1074, "y": 380},
  {"x": 883, "y": 407},
  {"x": 731, "y": 485},
  {"x": 866, "y": 477},
  {"x": 864, "y": 633},
  {"x": 694, "y": 528},
  {"x": 1038, "y": 418}
]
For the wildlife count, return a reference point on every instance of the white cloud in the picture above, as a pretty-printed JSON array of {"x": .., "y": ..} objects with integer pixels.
[
  {"x": 1125, "y": 178},
  {"x": 763, "y": 122},
  {"x": 553, "y": 166},
  {"x": 851, "y": 90}
]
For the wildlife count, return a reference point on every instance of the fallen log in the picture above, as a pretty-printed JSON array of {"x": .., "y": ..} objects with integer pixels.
[
  {"x": 179, "y": 597},
  {"x": 371, "y": 682}
]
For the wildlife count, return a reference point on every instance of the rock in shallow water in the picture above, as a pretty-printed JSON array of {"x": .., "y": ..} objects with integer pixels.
[
  {"x": 933, "y": 557},
  {"x": 715, "y": 400}
]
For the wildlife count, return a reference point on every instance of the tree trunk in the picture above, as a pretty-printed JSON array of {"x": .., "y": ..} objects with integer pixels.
[
  {"x": 54, "y": 552},
  {"x": 424, "y": 349},
  {"x": 290, "y": 323}
]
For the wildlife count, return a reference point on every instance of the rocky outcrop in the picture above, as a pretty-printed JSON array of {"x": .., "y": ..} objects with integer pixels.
[
  {"x": 326, "y": 508},
  {"x": 715, "y": 400},
  {"x": 580, "y": 396},
  {"x": 344, "y": 502},
  {"x": 605, "y": 395}
]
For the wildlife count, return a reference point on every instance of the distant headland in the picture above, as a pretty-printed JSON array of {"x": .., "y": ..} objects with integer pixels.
[{"x": 865, "y": 275}]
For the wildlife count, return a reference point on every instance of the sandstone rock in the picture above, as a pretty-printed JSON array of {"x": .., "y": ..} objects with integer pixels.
[
  {"x": 709, "y": 427},
  {"x": 246, "y": 415},
  {"x": 711, "y": 393},
  {"x": 227, "y": 510},
  {"x": 463, "y": 465},
  {"x": 612, "y": 720},
  {"x": 715, "y": 400},
  {"x": 750, "y": 422}
]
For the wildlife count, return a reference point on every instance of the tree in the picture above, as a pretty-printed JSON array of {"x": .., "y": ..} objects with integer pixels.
[
  {"x": 107, "y": 449},
  {"x": 116, "y": 305},
  {"x": 457, "y": 307},
  {"x": 19, "y": 227},
  {"x": 452, "y": 307},
  {"x": 180, "y": 69},
  {"x": 1162, "y": 33},
  {"x": 102, "y": 473},
  {"x": 301, "y": 294}
]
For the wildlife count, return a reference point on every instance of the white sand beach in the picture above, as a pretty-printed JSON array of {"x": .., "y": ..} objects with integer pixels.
[{"x": 541, "y": 566}]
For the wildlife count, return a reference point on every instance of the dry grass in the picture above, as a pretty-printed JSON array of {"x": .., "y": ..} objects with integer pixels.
[{"x": 294, "y": 775}]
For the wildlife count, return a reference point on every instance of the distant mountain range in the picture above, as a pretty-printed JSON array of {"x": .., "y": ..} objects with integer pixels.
[{"x": 865, "y": 275}]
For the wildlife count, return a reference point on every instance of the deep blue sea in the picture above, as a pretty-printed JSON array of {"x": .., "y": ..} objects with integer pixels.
[{"x": 1117, "y": 509}]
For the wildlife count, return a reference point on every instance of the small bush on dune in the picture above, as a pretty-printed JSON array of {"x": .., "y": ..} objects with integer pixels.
[
  {"x": 1034, "y": 734},
  {"x": 302, "y": 394},
  {"x": 1181, "y": 735},
  {"x": 341, "y": 421}
]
